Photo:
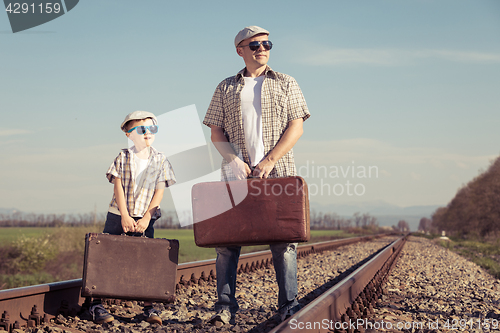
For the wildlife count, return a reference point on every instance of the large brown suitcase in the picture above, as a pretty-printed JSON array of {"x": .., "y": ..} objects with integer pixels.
[
  {"x": 251, "y": 212},
  {"x": 127, "y": 267}
]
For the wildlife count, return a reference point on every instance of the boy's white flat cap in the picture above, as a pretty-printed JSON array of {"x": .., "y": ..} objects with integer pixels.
[
  {"x": 138, "y": 115},
  {"x": 249, "y": 32}
]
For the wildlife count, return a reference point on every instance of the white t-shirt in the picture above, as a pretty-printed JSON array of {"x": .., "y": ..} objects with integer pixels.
[
  {"x": 140, "y": 167},
  {"x": 251, "y": 114}
]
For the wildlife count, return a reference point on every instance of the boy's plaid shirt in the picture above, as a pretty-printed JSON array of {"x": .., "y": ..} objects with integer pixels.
[
  {"x": 282, "y": 101},
  {"x": 158, "y": 171}
]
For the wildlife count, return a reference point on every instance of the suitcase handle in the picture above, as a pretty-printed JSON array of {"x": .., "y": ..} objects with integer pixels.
[
  {"x": 251, "y": 173},
  {"x": 142, "y": 234}
]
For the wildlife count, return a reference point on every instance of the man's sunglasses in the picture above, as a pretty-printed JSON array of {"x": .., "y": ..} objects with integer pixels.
[
  {"x": 153, "y": 129},
  {"x": 255, "y": 45}
]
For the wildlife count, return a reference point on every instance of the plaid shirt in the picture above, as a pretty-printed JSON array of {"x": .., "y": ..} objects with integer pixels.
[
  {"x": 281, "y": 100},
  {"x": 158, "y": 173}
]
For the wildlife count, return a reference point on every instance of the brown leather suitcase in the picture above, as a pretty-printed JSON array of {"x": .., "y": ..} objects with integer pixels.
[
  {"x": 251, "y": 212},
  {"x": 127, "y": 267}
]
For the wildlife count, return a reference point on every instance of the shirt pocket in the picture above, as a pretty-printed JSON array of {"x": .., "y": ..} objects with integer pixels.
[
  {"x": 278, "y": 97},
  {"x": 279, "y": 115}
]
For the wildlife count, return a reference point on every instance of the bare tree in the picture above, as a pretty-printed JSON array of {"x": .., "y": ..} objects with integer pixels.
[
  {"x": 425, "y": 224},
  {"x": 403, "y": 226}
]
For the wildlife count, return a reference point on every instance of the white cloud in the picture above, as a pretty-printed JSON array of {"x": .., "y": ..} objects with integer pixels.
[
  {"x": 406, "y": 175},
  {"x": 12, "y": 131},
  {"x": 415, "y": 176},
  {"x": 461, "y": 56},
  {"x": 73, "y": 178},
  {"x": 462, "y": 165},
  {"x": 385, "y": 173},
  {"x": 12, "y": 143},
  {"x": 362, "y": 149},
  {"x": 321, "y": 56}
]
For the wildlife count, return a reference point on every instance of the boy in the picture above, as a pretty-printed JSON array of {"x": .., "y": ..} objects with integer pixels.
[{"x": 139, "y": 175}]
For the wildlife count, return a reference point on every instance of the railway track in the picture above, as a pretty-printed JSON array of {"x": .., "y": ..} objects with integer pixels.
[
  {"x": 36, "y": 305},
  {"x": 346, "y": 306}
]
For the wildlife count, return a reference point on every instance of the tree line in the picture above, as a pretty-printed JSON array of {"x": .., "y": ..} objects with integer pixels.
[
  {"x": 333, "y": 221},
  {"x": 168, "y": 220},
  {"x": 474, "y": 212}
]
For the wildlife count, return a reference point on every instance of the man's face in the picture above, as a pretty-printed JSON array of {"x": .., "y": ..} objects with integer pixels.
[{"x": 258, "y": 57}]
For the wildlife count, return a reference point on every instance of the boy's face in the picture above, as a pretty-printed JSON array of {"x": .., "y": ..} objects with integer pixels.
[{"x": 141, "y": 140}]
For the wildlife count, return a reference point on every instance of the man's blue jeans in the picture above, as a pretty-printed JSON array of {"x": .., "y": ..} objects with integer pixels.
[{"x": 285, "y": 265}]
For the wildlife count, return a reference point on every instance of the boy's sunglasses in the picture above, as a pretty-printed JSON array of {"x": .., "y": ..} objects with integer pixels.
[
  {"x": 255, "y": 45},
  {"x": 153, "y": 129}
]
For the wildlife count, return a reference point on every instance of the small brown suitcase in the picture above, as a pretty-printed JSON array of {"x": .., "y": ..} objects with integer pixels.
[
  {"x": 251, "y": 212},
  {"x": 127, "y": 267}
]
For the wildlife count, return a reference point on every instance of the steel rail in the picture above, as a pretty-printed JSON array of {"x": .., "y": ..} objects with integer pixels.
[
  {"x": 350, "y": 300},
  {"x": 193, "y": 272},
  {"x": 30, "y": 306}
]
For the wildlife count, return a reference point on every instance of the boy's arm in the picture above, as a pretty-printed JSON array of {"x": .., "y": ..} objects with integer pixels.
[
  {"x": 128, "y": 223},
  {"x": 142, "y": 224}
]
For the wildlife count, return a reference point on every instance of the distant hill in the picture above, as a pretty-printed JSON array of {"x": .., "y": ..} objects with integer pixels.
[
  {"x": 8, "y": 210},
  {"x": 387, "y": 214},
  {"x": 375, "y": 208}
]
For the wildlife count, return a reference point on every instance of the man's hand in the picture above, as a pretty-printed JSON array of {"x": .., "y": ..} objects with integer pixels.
[
  {"x": 128, "y": 224},
  {"x": 263, "y": 169},
  {"x": 287, "y": 141},
  {"x": 240, "y": 169}
]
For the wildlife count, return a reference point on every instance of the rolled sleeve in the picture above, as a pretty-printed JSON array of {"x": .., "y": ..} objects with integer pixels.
[
  {"x": 215, "y": 112},
  {"x": 115, "y": 169},
  {"x": 166, "y": 178},
  {"x": 297, "y": 107}
]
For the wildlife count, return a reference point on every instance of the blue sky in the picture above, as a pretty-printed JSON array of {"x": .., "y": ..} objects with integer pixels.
[{"x": 408, "y": 87}]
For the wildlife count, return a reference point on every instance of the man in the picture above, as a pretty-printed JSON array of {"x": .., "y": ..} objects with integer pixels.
[{"x": 256, "y": 118}]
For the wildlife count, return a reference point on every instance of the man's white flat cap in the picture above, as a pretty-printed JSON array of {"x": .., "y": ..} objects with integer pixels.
[{"x": 249, "y": 32}]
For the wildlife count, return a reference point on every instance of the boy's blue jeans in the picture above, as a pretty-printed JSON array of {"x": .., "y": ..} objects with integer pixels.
[
  {"x": 285, "y": 265},
  {"x": 113, "y": 226}
]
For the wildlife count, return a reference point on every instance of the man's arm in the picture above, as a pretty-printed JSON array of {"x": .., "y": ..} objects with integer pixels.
[
  {"x": 128, "y": 223},
  {"x": 287, "y": 141},
  {"x": 142, "y": 224},
  {"x": 240, "y": 169}
]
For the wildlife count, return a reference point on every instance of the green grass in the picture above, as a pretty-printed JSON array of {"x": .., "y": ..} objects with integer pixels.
[
  {"x": 9, "y": 235},
  {"x": 188, "y": 250},
  {"x": 484, "y": 254},
  {"x": 20, "y": 280}
]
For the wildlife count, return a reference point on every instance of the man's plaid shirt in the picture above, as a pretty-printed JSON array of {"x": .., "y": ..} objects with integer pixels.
[
  {"x": 281, "y": 100},
  {"x": 158, "y": 174}
]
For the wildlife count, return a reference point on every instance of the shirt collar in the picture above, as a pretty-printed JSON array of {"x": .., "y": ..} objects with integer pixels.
[
  {"x": 268, "y": 72},
  {"x": 152, "y": 149}
]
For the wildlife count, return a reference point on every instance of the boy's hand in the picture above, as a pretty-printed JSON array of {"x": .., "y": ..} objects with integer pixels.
[
  {"x": 128, "y": 224},
  {"x": 142, "y": 224}
]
